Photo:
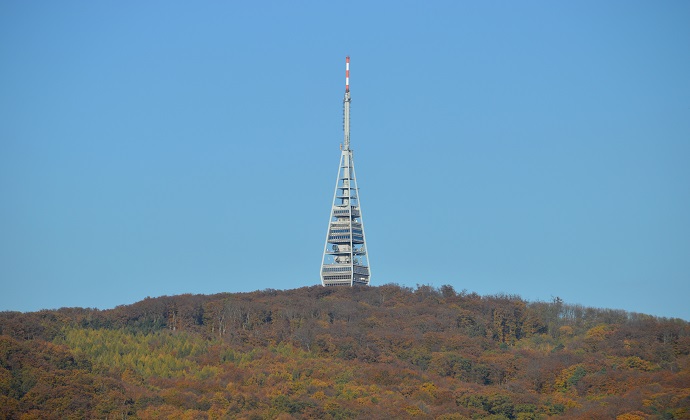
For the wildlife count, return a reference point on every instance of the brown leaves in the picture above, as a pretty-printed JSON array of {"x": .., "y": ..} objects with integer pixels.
[{"x": 318, "y": 352}]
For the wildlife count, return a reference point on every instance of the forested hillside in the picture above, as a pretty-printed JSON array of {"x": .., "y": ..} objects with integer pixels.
[{"x": 334, "y": 353}]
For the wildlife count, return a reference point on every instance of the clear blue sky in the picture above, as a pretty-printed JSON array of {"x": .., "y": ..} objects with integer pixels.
[{"x": 166, "y": 147}]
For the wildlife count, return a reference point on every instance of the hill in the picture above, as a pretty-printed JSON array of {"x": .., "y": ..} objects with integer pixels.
[{"x": 332, "y": 353}]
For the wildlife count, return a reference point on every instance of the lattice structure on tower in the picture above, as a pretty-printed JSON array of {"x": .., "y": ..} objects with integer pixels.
[{"x": 345, "y": 261}]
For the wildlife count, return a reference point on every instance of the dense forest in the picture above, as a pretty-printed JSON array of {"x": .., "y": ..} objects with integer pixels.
[{"x": 335, "y": 353}]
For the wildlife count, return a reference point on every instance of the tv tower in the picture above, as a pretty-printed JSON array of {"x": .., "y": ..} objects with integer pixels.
[{"x": 345, "y": 261}]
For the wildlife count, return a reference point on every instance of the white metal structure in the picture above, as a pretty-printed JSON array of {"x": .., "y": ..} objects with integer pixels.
[{"x": 345, "y": 261}]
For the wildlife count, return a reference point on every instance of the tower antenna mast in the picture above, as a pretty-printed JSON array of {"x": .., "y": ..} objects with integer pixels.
[{"x": 346, "y": 105}]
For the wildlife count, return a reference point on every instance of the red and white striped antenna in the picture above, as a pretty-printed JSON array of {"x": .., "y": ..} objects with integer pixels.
[
  {"x": 347, "y": 73},
  {"x": 346, "y": 105}
]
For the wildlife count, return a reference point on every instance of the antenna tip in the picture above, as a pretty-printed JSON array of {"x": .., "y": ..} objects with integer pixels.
[{"x": 347, "y": 73}]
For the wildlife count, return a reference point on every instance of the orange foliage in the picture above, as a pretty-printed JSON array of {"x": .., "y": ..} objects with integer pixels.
[{"x": 324, "y": 353}]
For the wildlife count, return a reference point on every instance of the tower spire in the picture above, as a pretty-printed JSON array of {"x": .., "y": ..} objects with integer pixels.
[
  {"x": 346, "y": 106},
  {"x": 347, "y": 73},
  {"x": 345, "y": 261}
]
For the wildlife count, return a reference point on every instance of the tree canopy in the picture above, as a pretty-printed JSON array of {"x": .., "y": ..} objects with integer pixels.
[{"x": 332, "y": 353}]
